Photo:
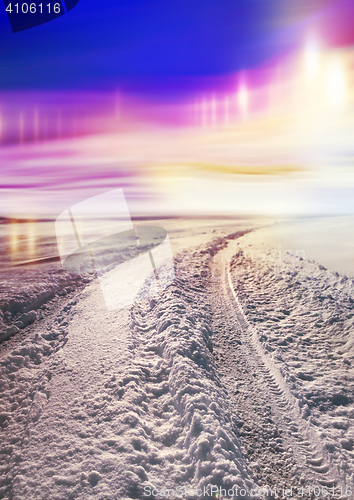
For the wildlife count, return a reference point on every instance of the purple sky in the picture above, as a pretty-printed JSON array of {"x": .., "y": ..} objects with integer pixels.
[{"x": 153, "y": 46}]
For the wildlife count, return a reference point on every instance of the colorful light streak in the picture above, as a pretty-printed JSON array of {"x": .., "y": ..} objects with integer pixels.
[
  {"x": 243, "y": 100},
  {"x": 288, "y": 120},
  {"x": 31, "y": 241},
  {"x": 312, "y": 59},
  {"x": 14, "y": 239},
  {"x": 336, "y": 85}
]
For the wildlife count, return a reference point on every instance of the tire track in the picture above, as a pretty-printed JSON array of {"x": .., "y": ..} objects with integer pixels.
[{"x": 310, "y": 457}]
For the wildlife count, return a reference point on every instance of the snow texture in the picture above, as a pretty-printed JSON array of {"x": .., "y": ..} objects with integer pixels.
[
  {"x": 24, "y": 291},
  {"x": 102, "y": 404},
  {"x": 303, "y": 317},
  {"x": 238, "y": 374}
]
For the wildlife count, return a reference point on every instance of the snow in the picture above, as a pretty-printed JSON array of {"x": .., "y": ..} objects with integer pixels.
[
  {"x": 239, "y": 374},
  {"x": 327, "y": 240},
  {"x": 24, "y": 292},
  {"x": 303, "y": 316},
  {"x": 104, "y": 403}
]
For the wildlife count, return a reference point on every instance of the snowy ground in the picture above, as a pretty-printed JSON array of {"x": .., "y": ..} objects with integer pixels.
[
  {"x": 301, "y": 321},
  {"x": 239, "y": 375}
]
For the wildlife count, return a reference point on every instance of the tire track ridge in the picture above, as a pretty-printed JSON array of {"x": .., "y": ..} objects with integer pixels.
[{"x": 300, "y": 428}]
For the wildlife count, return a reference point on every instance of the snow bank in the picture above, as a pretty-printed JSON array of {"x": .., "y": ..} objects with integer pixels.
[{"x": 22, "y": 292}]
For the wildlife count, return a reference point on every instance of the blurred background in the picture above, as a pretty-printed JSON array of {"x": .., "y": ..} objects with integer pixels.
[{"x": 242, "y": 107}]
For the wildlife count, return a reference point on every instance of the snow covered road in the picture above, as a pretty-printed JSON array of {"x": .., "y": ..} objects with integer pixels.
[
  {"x": 283, "y": 448},
  {"x": 126, "y": 402}
]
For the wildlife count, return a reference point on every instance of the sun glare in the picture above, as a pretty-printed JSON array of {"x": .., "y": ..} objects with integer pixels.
[
  {"x": 243, "y": 99},
  {"x": 31, "y": 234},
  {"x": 14, "y": 238},
  {"x": 312, "y": 59},
  {"x": 336, "y": 88}
]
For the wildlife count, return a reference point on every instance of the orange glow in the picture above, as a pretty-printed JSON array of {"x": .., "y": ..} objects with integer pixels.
[
  {"x": 14, "y": 239},
  {"x": 31, "y": 234}
]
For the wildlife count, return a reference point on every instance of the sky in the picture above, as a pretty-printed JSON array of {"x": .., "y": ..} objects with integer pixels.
[
  {"x": 158, "y": 45},
  {"x": 191, "y": 106}
]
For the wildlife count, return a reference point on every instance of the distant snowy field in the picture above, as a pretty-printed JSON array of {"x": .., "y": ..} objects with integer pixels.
[
  {"x": 327, "y": 240},
  {"x": 237, "y": 376}
]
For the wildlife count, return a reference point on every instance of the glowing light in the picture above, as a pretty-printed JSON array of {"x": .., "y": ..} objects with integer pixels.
[
  {"x": 243, "y": 99},
  {"x": 31, "y": 234},
  {"x": 14, "y": 238},
  {"x": 204, "y": 113},
  {"x": 336, "y": 88},
  {"x": 226, "y": 111},
  {"x": 312, "y": 58}
]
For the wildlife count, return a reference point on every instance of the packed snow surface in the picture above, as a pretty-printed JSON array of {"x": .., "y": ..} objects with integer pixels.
[
  {"x": 238, "y": 375},
  {"x": 303, "y": 316}
]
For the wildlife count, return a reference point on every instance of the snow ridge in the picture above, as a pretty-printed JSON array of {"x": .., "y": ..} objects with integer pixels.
[
  {"x": 192, "y": 428},
  {"x": 288, "y": 406},
  {"x": 108, "y": 405},
  {"x": 298, "y": 319},
  {"x": 22, "y": 293}
]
